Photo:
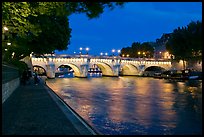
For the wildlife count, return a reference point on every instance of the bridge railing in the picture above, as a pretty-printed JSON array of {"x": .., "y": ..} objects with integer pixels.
[
  {"x": 78, "y": 58},
  {"x": 101, "y": 56}
]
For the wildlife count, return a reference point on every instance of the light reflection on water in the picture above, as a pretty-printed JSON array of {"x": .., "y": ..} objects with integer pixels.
[{"x": 134, "y": 105}]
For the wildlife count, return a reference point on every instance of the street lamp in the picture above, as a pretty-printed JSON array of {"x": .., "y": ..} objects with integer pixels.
[
  {"x": 118, "y": 52},
  {"x": 101, "y": 53},
  {"x": 87, "y": 49},
  {"x": 138, "y": 53},
  {"x": 80, "y": 51},
  {"x": 4, "y": 39},
  {"x": 106, "y": 54},
  {"x": 160, "y": 54},
  {"x": 5, "y": 28},
  {"x": 113, "y": 50},
  {"x": 144, "y": 54},
  {"x": 128, "y": 55},
  {"x": 13, "y": 54}
]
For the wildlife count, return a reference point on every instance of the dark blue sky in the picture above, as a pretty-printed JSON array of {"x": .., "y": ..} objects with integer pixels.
[{"x": 135, "y": 22}]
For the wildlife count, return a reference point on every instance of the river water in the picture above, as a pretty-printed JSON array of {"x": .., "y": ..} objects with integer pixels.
[{"x": 134, "y": 105}]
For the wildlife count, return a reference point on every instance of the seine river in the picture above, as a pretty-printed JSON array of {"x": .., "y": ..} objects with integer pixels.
[{"x": 134, "y": 105}]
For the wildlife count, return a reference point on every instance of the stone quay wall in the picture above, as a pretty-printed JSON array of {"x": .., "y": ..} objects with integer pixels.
[{"x": 10, "y": 80}]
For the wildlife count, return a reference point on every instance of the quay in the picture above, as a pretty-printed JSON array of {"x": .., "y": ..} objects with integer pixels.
[{"x": 37, "y": 110}]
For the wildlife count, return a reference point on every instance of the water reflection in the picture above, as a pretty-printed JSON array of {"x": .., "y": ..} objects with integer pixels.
[{"x": 134, "y": 105}]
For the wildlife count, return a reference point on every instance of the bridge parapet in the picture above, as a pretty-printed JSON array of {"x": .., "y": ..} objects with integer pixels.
[{"x": 100, "y": 60}]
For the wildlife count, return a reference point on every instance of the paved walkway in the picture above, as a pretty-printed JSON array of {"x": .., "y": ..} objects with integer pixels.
[{"x": 36, "y": 110}]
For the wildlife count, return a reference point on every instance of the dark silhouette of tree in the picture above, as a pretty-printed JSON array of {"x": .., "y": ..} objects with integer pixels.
[
  {"x": 185, "y": 43},
  {"x": 138, "y": 50},
  {"x": 42, "y": 27},
  {"x": 147, "y": 49}
]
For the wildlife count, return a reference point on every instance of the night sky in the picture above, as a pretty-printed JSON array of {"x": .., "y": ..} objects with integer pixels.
[{"x": 135, "y": 22}]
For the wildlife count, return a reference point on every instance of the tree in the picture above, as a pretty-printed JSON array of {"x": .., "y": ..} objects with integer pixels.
[
  {"x": 185, "y": 43},
  {"x": 147, "y": 49},
  {"x": 42, "y": 27},
  {"x": 138, "y": 50}
]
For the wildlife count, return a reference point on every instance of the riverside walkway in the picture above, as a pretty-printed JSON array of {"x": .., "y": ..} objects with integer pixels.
[{"x": 37, "y": 110}]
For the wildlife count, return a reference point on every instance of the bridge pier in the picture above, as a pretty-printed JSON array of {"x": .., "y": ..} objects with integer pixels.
[
  {"x": 50, "y": 70},
  {"x": 141, "y": 69},
  {"x": 116, "y": 70},
  {"x": 83, "y": 71}
]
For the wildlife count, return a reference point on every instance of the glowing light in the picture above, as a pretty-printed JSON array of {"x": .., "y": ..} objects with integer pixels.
[{"x": 5, "y": 28}]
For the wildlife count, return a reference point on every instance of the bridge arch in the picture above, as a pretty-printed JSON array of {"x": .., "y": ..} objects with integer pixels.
[
  {"x": 105, "y": 68},
  {"x": 154, "y": 68},
  {"x": 40, "y": 70},
  {"x": 64, "y": 66},
  {"x": 129, "y": 70},
  {"x": 151, "y": 70},
  {"x": 73, "y": 66}
]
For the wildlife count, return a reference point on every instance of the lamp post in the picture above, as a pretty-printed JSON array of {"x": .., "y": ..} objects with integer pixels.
[
  {"x": 80, "y": 51},
  {"x": 160, "y": 54},
  {"x": 87, "y": 49},
  {"x": 138, "y": 54},
  {"x": 4, "y": 39},
  {"x": 143, "y": 54},
  {"x": 113, "y": 50},
  {"x": 118, "y": 52}
]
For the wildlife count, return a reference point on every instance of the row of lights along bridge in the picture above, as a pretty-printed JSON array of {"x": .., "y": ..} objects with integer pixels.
[
  {"x": 117, "y": 52},
  {"x": 106, "y": 54}
]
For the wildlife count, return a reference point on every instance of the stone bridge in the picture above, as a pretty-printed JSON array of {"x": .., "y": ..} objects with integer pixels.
[{"x": 112, "y": 66}]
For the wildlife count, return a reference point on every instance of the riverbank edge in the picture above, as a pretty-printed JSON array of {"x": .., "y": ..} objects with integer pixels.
[{"x": 79, "y": 123}]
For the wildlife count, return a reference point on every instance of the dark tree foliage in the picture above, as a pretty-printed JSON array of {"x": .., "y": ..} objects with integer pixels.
[
  {"x": 186, "y": 43},
  {"x": 138, "y": 50},
  {"x": 42, "y": 27}
]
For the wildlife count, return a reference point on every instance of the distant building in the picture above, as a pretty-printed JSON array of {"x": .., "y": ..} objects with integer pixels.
[{"x": 160, "y": 48}]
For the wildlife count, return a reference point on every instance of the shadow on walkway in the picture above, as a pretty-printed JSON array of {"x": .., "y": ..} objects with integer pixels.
[{"x": 31, "y": 110}]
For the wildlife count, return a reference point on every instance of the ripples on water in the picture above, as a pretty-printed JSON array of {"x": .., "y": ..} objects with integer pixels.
[{"x": 134, "y": 105}]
